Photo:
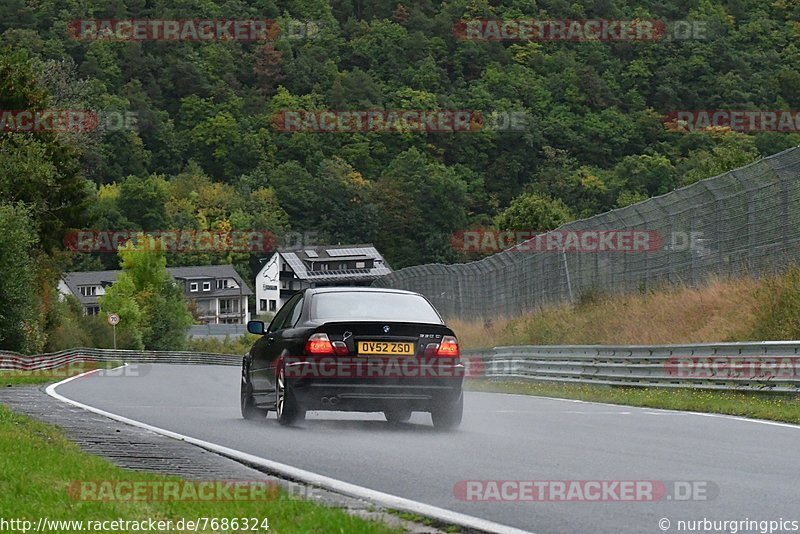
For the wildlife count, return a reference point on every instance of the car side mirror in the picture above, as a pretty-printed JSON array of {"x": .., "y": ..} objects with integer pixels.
[{"x": 256, "y": 327}]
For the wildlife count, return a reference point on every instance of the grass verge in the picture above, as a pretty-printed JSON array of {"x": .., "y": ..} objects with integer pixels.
[
  {"x": 38, "y": 463},
  {"x": 744, "y": 309},
  {"x": 238, "y": 345},
  {"x": 10, "y": 378},
  {"x": 721, "y": 310},
  {"x": 773, "y": 407}
]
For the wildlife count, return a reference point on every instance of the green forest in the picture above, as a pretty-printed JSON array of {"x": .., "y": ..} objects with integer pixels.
[{"x": 204, "y": 153}]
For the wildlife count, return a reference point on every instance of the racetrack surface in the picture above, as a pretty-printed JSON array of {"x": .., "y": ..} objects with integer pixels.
[{"x": 754, "y": 465}]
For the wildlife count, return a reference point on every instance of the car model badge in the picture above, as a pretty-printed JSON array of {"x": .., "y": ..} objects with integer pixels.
[{"x": 386, "y": 329}]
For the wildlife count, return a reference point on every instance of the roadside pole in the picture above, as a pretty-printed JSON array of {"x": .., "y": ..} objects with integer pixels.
[
  {"x": 566, "y": 270},
  {"x": 113, "y": 320}
]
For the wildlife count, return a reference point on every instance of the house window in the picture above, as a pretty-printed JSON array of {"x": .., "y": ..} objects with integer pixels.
[
  {"x": 206, "y": 307},
  {"x": 273, "y": 305},
  {"x": 222, "y": 284},
  {"x": 88, "y": 291},
  {"x": 360, "y": 265},
  {"x": 193, "y": 286},
  {"x": 262, "y": 305},
  {"x": 206, "y": 286},
  {"x": 228, "y": 306},
  {"x": 92, "y": 310}
]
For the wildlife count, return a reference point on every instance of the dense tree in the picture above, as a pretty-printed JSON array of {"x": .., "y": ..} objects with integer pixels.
[
  {"x": 40, "y": 168},
  {"x": 533, "y": 213},
  {"x": 152, "y": 310},
  {"x": 422, "y": 203},
  {"x": 19, "y": 315},
  {"x": 731, "y": 151},
  {"x": 142, "y": 201}
]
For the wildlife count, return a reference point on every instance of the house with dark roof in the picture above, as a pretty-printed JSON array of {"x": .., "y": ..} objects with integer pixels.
[
  {"x": 289, "y": 270},
  {"x": 216, "y": 293}
]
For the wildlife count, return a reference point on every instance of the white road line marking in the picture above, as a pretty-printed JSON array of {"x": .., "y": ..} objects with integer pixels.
[
  {"x": 597, "y": 413},
  {"x": 339, "y": 486},
  {"x": 665, "y": 411}
]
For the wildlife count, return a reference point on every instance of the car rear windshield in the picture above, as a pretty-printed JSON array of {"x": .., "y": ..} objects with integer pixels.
[{"x": 369, "y": 306}]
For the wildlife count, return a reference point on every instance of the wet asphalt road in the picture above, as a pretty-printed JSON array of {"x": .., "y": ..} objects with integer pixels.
[{"x": 749, "y": 469}]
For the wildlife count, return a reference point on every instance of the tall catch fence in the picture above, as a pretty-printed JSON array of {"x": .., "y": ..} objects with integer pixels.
[{"x": 745, "y": 222}]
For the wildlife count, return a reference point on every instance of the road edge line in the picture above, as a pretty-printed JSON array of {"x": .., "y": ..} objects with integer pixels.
[{"x": 669, "y": 410}]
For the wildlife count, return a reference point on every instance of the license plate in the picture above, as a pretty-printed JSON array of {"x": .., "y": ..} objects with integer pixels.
[{"x": 389, "y": 348}]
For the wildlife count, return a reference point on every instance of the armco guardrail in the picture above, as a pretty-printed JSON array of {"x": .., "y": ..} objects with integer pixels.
[
  {"x": 763, "y": 366},
  {"x": 217, "y": 330},
  {"x": 13, "y": 361}
]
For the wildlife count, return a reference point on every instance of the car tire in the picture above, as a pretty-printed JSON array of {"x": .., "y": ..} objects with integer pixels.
[
  {"x": 397, "y": 416},
  {"x": 286, "y": 405},
  {"x": 248, "y": 403},
  {"x": 448, "y": 416}
]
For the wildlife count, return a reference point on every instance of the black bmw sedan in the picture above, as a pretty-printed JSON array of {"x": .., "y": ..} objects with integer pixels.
[{"x": 354, "y": 349}]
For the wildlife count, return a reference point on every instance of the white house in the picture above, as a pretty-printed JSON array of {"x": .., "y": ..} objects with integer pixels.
[
  {"x": 216, "y": 293},
  {"x": 288, "y": 270}
]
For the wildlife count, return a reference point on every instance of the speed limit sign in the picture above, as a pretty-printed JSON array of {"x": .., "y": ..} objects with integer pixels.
[{"x": 113, "y": 319}]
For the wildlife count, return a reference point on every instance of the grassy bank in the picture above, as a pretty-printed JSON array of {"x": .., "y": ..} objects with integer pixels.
[
  {"x": 771, "y": 407},
  {"x": 37, "y": 465},
  {"x": 721, "y": 310},
  {"x": 18, "y": 378},
  {"x": 238, "y": 345}
]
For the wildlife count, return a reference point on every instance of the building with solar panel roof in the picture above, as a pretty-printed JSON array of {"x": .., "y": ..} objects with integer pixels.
[{"x": 289, "y": 270}]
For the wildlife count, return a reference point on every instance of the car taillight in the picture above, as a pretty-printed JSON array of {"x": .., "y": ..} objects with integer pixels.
[
  {"x": 319, "y": 344},
  {"x": 448, "y": 348}
]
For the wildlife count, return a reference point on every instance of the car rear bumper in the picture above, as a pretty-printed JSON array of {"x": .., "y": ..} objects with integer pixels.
[{"x": 417, "y": 390}]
